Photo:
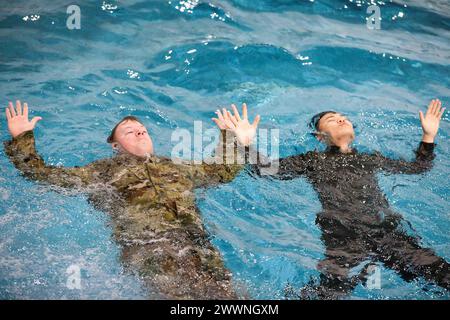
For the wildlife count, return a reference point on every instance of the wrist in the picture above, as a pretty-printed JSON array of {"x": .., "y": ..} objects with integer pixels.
[
  {"x": 227, "y": 136},
  {"x": 16, "y": 134},
  {"x": 428, "y": 138}
]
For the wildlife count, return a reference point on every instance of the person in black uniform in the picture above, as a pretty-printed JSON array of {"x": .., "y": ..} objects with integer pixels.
[{"x": 356, "y": 222}]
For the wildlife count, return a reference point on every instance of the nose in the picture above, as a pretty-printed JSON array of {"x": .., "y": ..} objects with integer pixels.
[
  {"x": 341, "y": 120},
  {"x": 139, "y": 133}
]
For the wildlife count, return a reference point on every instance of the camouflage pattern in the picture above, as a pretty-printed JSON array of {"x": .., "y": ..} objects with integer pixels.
[{"x": 154, "y": 214}]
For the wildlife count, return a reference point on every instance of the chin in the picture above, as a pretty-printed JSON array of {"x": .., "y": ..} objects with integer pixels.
[
  {"x": 145, "y": 149},
  {"x": 145, "y": 152},
  {"x": 345, "y": 137},
  {"x": 346, "y": 132},
  {"x": 141, "y": 152}
]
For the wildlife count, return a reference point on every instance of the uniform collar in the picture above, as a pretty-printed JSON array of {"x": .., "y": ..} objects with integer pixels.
[{"x": 337, "y": 150}]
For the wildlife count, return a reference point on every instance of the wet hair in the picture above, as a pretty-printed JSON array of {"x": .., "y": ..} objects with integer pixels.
[
  {"x": 111, "y": 139},
  {"x": 314, "y": 123}
]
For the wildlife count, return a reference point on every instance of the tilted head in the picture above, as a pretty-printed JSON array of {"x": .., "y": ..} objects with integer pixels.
[
  {"x": 332, "y": 128},
  {"x": 131, "y": 136}
]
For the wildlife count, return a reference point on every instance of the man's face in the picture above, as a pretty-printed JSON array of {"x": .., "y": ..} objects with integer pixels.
[
  {"x": 335, "y": 129},
  {"x": 132, "y": 137}
]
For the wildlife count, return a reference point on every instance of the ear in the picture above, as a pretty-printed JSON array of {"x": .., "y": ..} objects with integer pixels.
[
  {"x": 320, "y": 136},
  {"x": 323, "y": 137},
  {"x": 115, "y": 146}
]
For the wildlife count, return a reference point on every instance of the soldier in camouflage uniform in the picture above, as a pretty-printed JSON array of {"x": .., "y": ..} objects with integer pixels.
[{"x": 150, "y": 199}]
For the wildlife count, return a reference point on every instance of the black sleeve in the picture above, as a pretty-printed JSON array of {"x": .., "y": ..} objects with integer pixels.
[
  {"x": 422, "y": 163},
  {"x": 284, "y": 168}
]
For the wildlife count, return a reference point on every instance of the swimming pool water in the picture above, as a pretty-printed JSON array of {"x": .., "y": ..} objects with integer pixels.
[{"x": 173, "y": 62}]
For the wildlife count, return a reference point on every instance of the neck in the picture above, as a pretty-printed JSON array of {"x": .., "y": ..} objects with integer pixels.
[
  {"x": 344, "y": 144},
  {"x": 345, "y": 148},
  {"x": 341, "y": 147},
  {"x": 122, "y": 151},
  {"x": 125, "y": 154}
]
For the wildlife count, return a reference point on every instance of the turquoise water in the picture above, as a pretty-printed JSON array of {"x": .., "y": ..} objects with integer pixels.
[{"x": 287, "y": 59}]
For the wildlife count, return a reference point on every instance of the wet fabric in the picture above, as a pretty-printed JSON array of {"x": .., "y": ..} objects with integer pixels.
[
  {"x": 154, "y": 214},
  {"x": 356, "y": 222}
]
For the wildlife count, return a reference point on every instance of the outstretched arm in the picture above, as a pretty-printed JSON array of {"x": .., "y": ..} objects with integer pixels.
[
  {"x": 22, "y": 152},
  {"x": 232, "y": 151},
  {"x": 425, "y": 152},
  {"x": 257, "y": 164},
  {"x": 286, "y": 168}
]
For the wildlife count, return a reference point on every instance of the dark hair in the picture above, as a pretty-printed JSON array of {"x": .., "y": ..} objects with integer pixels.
[
  {"x": 314, "y": 123},
  {"x": 111, "y": 139}
]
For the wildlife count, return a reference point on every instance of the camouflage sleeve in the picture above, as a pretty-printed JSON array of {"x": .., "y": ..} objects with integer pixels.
[
  {"x": 22, "y": 153},
  {"x": 227, "y": 162}
]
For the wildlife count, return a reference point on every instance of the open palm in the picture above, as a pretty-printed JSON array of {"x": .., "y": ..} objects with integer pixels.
[
  {"x": 18, "y": 119},
  {"x": 241, "y": 127},
  {"x": 430, "y": 121}
]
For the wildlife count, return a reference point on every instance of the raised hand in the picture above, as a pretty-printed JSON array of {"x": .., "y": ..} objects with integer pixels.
[
  {"x": 241, "y": 127},
  {"x": 18, "y": 119},
  {"x": 430, "y": 121}
]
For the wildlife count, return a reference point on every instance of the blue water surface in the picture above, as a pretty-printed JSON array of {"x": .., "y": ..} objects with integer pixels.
[{"x": 173, "y": 62}]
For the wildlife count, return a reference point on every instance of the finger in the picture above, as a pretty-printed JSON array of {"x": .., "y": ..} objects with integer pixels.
[
  {"x": 438, "y": 108},
  {"x": 12, "y": 110},
  {"x": 8, "y": 114},
  {"x": 230, "y": 124},
  {"x": 219, "y": 115},
  {"x": 225, "y": 114},
  {"x": 18, "y": 108},
  {"x": 244, "y": 111},
  {"x": 430, "y": 106},
  {"x": 35, "y": 120},
  {"x": 10, "y": 107},
  {"x": 441, "y": 113},
  {"x": 233, "y": 119},
  {"x": 433, "y": 107},
  {"x": 256, "y": 121},
  {"x": 421, "y": 116},
  {"x": 219, "y": 123},
  {"x": 236, "y": 112},
  {"x": 25, "y": 110}
]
